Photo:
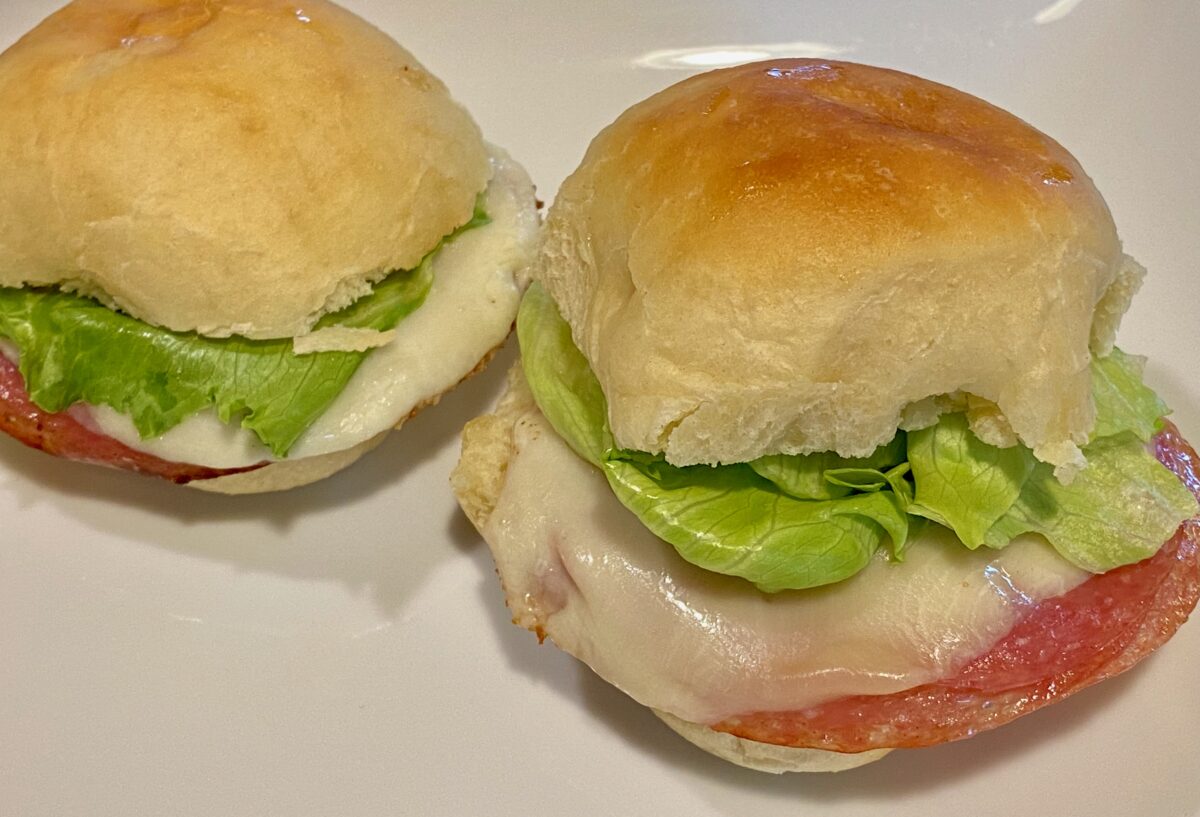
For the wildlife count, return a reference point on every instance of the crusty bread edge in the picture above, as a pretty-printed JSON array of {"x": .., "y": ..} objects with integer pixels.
[{"x": 478, "y": 479}]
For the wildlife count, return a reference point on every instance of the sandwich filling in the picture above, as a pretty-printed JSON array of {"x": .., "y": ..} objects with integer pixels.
[
  {"x": 938, "y": 645},
  {"x": 790, "y": 522},
  {"x": 234, "y": 402},
  {"x": 947, "y": 642}
]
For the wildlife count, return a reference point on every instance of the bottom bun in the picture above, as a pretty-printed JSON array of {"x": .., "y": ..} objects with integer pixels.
[
  {"x": 287, "y": 474},
  {"x": 767, "y": 757}
]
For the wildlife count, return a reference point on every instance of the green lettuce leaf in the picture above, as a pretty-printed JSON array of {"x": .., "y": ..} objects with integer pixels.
[
  {"x": 730, "y": 520},
  {"x": 871, "y": 479},
  {"x": 867, "y": 480},
  {"x": 961, "y": 481},
  {"x": 1117, "y": 511},
  {"x": 558, "y": 374},
  {"x": 401, "y": 293},
  {"x": 1123, "y": 401},
  {"x": 727, "y": 519},
  {"x": 74, "y": 349},
  {"x": 803, "y": 475},
  {"x": 793, "y": 522}
]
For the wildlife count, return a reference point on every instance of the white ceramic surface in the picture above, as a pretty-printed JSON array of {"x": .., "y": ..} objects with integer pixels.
[{"x": 344, "y": 649}]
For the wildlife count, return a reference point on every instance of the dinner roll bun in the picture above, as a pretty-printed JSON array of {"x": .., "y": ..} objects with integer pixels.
[
  {"x": 792, "y": 256},
  {"x": 225, "y": 166}
]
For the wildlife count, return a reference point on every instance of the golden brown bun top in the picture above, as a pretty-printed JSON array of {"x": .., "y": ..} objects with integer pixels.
[
  {"x": 224, "y": 165},
  {"x": 783, "y": 256}
]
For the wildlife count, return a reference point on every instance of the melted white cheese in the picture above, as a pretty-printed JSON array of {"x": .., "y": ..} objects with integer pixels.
[
  {"x": 477, "y": 284},
  {"x": 705, "y": 647}
]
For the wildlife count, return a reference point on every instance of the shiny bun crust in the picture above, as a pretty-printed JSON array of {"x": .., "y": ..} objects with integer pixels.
[
  {"x": 224, "y": 166},
  {"x": 784, "y": 256}
]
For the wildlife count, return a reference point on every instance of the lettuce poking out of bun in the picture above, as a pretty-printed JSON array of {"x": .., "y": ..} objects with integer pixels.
[
  {"x": 74, "y": 349},
  {"x": 799, "y": 521}
]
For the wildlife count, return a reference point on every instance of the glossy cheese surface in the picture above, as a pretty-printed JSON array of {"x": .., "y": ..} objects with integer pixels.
[
  {"x": 579, "y": 567},
  {"x": 1100, "y": 629}
]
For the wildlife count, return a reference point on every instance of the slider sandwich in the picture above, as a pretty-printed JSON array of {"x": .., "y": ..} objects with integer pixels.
[
  {"x": 820, "y": 445},
  {"x": 240, "y": 240}
]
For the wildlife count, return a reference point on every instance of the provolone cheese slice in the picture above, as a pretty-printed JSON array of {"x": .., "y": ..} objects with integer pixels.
[{"x": 580, "y": 567}]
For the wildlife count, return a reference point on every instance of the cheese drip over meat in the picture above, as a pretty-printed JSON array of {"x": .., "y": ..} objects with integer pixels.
[{"x": 579, "y": 567}]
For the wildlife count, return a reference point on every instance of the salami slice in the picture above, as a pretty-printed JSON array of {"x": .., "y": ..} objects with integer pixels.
[
  {"x": 64, "y": 436},
  {"x": 1099, "y": 629}
]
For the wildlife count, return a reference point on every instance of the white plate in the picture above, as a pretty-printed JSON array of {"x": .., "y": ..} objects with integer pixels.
[{"x": 344, "y": 649}]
